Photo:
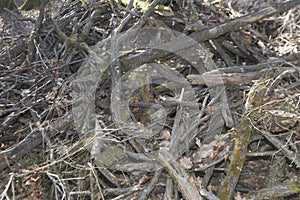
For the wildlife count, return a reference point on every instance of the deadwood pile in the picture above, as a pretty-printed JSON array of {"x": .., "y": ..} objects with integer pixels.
[{"x": 150, "y": 100}]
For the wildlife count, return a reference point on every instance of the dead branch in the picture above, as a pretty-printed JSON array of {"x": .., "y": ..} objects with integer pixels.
[
  {"x": 34, "y": 139},
  {"x": 239, "y": 23},
  {"x": 283, "y": 190},
  {"x": 150, "y": 55},
  {"x": 242, "y": 140},
  {"x": 33, "y": 37},
  {"x": 238, "y": 75},
  {"x": 179, "y": 175}
]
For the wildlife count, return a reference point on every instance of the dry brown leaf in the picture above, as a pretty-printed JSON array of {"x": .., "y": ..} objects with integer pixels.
[{"x": 186, "y": 162}]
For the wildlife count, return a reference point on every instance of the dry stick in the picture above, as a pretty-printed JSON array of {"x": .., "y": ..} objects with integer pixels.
[
  {"x": 120, "y": 191},
  {"x": 58, "y": 184},
  {"x": 19, "y": 18},
  {"x": 165, "y": 104},
  {"x": 150, "y": 186},
  {"x": 115, "y": 63},
  {"x": 38, "y": 24},
  {"x": 131, "y": 12},
  {"x": 278, "y": 79},
  {"x": 226, "y": 58},
  {"x": 261, "y": 66},
  {"x": 243, "y": 133},
  {"x": 292, "y": 156},
  {"x": 178, "y": 174},
  {"x": 238, "y": 23},
  {"x": 147, "y": 14},
  {"x": 4, "y": 193},
  {"x": 286, "y": 189},
  {"x": 208, "y": 174},
  {"x": 177, "y": 130},
  {"x": 150, "y": 55},
  {"x": 169, "y": 189},
  {"x": 208, "y": 195},
  {"x": 123, "y": 23},
  {"x": 239, "y": 74},
  {"x": 71, "y": 41},
  {"x": 34, "y": 139},
  {"x": 211, "y": 78},
  {"x": 97, "y": 180}
]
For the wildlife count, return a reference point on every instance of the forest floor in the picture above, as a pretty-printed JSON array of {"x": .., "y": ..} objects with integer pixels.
[{"x": 168, "y": 100}]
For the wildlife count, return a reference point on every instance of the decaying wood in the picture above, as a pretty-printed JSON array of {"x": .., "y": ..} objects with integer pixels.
[
  {"x": 187, "y": 188},
  {"x": 130, "y": 156},
  {"x": 242, "y": 140}
]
